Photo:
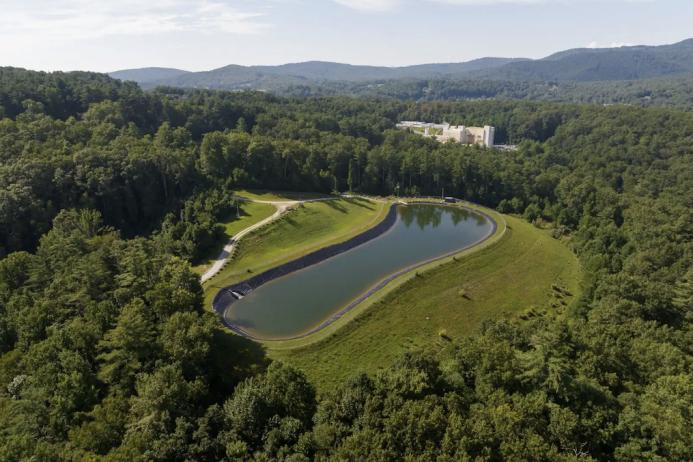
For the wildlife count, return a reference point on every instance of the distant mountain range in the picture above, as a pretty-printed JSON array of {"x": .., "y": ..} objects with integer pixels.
[
  {"x": 576, "y": 65},
  {"x": 148, "y": 74},
  {"x": 267, "y": 77},
  {"x": 602, "y": 64}
]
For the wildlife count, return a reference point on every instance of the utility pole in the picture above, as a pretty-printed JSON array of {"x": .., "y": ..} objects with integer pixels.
[{"x": 238, "y": 210}]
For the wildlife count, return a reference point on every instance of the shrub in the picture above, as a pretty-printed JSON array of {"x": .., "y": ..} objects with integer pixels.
[{"x": 443, "y": 333}]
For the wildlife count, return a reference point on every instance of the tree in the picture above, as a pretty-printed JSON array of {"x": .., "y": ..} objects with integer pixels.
[
  {"x": 126, "y": 349},
  {"x": 187, "y": 338},
  {"x": 213, "y": 159},
  {"x": 657, "y": 422},
  {"x": 277, "y": 406},
  {"x": 352, "y": 175}
]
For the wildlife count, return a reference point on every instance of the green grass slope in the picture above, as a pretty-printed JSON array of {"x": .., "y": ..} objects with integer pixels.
[
  {"x": 309, "y": 227},
  {"x": 250, "y": 213},
  {"x": 266, "y": 195},
  {"x": 507, "y": 278}
]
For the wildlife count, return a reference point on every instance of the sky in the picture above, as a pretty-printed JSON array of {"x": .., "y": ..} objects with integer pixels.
[{"x": 199, "y": 35}]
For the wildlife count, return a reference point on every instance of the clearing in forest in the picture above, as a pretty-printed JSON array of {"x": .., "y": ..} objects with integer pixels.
[
  {"x": 308, "y": 227},
  {"x": 520, "y": 272},
  {"x": 250, "y": 213}
]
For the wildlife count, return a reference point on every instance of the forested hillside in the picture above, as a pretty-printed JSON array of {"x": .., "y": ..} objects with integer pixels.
[
  {"x": 576, "y": 65},
  {"x": 637, "y": 75},
  {"x": 602, "y": 64},
  {"x": 262, "y": 77},
  {"x": 674, "y": 92},
  {"x": 147, "y": 74},
  {"x": 63, "y": 94},
  {"x": 107, "y": 352}
]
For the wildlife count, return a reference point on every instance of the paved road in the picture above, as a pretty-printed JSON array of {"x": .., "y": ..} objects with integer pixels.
[{"x": 282, "y": 207}]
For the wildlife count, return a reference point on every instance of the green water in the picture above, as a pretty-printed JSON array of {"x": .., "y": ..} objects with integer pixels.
[{"x": 298, "y": 302}]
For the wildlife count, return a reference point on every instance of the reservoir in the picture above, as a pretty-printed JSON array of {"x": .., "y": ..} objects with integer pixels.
[{"x": 302, "y": 301}]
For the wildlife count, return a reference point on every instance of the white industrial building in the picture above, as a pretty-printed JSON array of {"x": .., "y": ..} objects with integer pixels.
[{"x": 482, "y": 136}]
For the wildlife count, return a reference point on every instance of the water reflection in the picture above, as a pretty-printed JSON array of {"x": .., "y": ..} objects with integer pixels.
[
  {"x": 426, "y": 215},
  {"x": 422, "y": 215},
  {"x": 299, "y": 301}
]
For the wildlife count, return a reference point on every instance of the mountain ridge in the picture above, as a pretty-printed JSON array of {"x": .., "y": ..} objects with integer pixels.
[
  {"x": 577, "y": 64},
  {"x": 147, "y": 74}
]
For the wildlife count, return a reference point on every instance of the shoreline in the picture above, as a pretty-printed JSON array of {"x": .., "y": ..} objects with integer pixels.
[{"x": 224, "y": 298}]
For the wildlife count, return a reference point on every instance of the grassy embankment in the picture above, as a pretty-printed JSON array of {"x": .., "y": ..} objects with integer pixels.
[
  {"x": 250, "y": 213},
  {"x": 507, "y": 277},
  {"x": 264, "y": 195},
  {"x": 309, "y": 227}
]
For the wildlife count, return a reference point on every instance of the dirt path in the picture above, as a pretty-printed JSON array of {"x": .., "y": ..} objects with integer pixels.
[
  {"x": 281, "y": 206},
  {"x": 364, "y": 296}
]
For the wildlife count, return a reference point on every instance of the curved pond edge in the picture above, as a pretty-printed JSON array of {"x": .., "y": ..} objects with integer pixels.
[
  {"x": 331, "y": 329},
  {"x": 224, "y": 297}
]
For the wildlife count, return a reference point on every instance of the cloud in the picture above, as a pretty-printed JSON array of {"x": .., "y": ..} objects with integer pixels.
[
  {"x": 85, "y": 19},
  {"x": 595, "y": 44},
  {"x": 387, "y": 5},
  {"x": 494, "y": 2},
  {"x": 533, "y": 2},
  {"x": 369, "y": 5}
]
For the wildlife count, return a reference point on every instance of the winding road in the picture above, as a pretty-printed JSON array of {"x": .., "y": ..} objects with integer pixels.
[{"x": 282, "y": 207}]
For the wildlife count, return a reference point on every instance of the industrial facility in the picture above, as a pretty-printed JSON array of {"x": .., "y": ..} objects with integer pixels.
[{"x": 481, "y": 136}]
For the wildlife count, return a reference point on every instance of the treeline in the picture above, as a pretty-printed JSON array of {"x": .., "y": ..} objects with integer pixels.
[
  {"x": 67, "y": 94},
  {"x": 108, "y": 354},
  {"x": 664, "y": 91},
  {"x": 80, "y": 140}
]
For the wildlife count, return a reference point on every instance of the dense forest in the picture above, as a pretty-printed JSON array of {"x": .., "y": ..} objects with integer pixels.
[
  {"x": 107, "y": 352},
  {"x": 664, "y": 91},
  {"x": 622, "y": 65}
]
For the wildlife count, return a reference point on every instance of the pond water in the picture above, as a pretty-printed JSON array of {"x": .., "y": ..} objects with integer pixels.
[{"x": 301, "y": 301}]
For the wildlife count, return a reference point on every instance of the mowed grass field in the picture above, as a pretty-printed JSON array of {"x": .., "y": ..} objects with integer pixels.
[
  {"x": 250, "y": 213},
  {"x": 306, "y": 228},
  {"x": 263, "y": 195},
  {"x": 504, "y": 279}
]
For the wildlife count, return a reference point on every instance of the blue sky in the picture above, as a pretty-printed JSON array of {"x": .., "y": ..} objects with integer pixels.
[{"x": 205, "y": 34}]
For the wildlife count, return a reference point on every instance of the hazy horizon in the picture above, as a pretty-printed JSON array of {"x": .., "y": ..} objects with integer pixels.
[
  {"x": 402, "y": 65},
  {"x": 204, "y": 35}
]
